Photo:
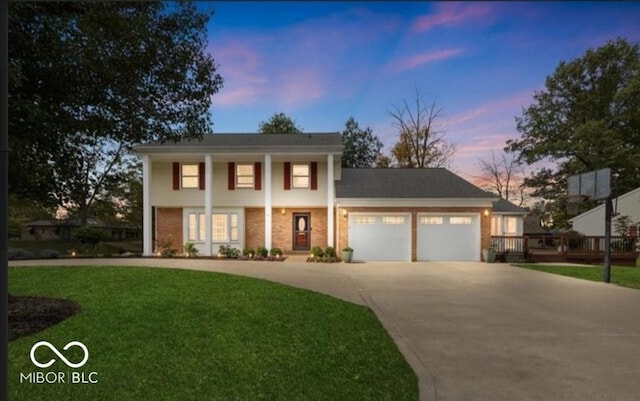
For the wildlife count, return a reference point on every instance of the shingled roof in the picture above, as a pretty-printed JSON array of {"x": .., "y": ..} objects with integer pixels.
[
  {"x": 503, "y": 206},
  {"x": 405, "y": 183},
  {"x": 330, "y": 142}
]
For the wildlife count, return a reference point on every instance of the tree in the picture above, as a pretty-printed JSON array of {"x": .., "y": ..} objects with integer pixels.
[
  {"x": 419, "y": 143},
  {"x": 279, "y": 123},
  {"x": 89, "y": 80},
  {"x": 361, "y": 147},
  {"x": 503, "y": 176},
  {"x": 585, "y": 119}
]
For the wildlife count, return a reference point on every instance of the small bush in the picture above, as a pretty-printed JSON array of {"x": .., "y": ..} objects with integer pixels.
[
  {"x": 329, "y": 252},
  {"x": 317, "y": 252},
  {"x": 347, "y": 249},
  {"x": 275, "y": 252},
  {"x": 190, "y": 249},
  {"x": 228, "y": 251},
  {"x": 248, "y": 252},
  {"x": 166, "y": 247},
  {"x": 49, "y": 254},
  {"x": 262, "y": 252},
  {"x": 19, "y": 254},
  {"x": 91, "y": 236}
]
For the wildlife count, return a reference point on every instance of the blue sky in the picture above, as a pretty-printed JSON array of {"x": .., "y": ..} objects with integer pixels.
[{"x": 322, "y": 62}]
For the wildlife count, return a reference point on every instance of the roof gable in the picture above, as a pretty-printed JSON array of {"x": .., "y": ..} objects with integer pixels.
[
  {"x": 405, "y": 183},
  {"x": 503, "y": 206}
]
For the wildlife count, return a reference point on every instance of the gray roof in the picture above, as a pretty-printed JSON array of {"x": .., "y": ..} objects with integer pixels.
[
  {"x": 503, "y": 206},
  {"x": 405, "y": 183},
  {"x": 331, "y": 142}
]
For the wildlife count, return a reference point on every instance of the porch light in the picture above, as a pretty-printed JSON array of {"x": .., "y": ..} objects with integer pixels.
[
  {"x": 486, "y": 212},
  {"x": 344, "y": 212},
  {"x": 283, "y": 211}
]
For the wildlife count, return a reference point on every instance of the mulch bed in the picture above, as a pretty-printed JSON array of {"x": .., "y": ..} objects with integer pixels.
[{"x": 28, "y": 315}]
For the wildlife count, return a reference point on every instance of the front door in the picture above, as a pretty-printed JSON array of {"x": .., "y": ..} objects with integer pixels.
[{"x": 301, "y": 231}]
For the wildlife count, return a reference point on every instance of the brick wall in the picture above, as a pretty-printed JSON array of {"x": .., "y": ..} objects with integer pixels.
[
  {"x": 169, "y": 223},
  {"x": 342, "y": 222}
]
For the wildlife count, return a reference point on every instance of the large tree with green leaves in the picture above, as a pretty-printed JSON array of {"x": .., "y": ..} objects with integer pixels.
[
  {"x": 586, "y": 118},
  {"x": 420, "y": 144},
  {"x": 279, "y": 123},
  {"x": 361, "y": 146},
  {"x": 89, "y": 80}
]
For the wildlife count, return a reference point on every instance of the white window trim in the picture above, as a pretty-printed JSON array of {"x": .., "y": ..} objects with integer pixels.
[
  {"x": 308, "y": 176},
  {"x": 253, "y": 176},
  {"x": 200, "y": 242},
  {"x": 183, "y": 176}
]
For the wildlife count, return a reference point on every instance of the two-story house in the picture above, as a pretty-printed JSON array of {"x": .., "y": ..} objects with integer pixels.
[{"x": 289, "y": 191}]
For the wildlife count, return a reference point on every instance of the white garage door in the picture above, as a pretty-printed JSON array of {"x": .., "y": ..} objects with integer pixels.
[
  {"x": 448, "y": 237},
  {"x": 380, "y": 236}
]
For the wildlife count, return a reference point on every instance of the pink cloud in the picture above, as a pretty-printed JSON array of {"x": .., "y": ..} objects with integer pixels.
[
  {"x": 241, "y": 67},
  {"x": 417, "y": 60},
  {"x": 299, "y": 86},
  {"x": 452, "y": 14},
  {"x": 491, "y": 109}
]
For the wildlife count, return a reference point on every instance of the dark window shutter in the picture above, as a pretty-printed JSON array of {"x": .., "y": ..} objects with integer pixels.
[
  {"x": 257, "y": 176},
  {"x": 201, "y": 175},
  {"x": 287, "y": 175},
  {"x": 314, "y": 175},
  {"x": 231, "y": 176},
  {"x": 176, "y": 176}
]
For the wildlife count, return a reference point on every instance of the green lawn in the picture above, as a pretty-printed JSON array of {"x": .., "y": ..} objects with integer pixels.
[
  {"x": 620, "y": 275},
  {"x": 160, "y": 334}
]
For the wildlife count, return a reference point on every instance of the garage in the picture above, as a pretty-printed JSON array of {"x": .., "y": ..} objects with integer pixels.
[
  {"x": 380, "y": 237},
  {"x": 454, "y": 237}
]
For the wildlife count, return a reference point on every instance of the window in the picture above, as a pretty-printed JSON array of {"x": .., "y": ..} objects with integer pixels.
[
  {"x": 300, "y": 175},
  {"x": 393, "y": 220},
  {"x": 189, "y": 175},
  {"x": 431, "y": 220},
  {"x": 495, "y": 225},
  {"x": 364, "y": 220},
  {"x": 510, "y": 226},
  {"x": 460, "y": 220},
  {"x": 244, "y": 176},
  {"x": 224, "y": 227}
]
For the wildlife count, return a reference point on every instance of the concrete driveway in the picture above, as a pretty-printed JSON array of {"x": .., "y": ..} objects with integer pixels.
[{"x": 475, "y": 331}]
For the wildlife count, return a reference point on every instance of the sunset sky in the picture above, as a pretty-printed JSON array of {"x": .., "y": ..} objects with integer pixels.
[{"x": 322, "y": 62}]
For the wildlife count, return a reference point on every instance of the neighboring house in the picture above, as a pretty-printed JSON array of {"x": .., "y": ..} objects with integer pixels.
[
  {"x": 507, "y": 219},
  {"x": 289, "y": 191},
  {"x": 62, "y": 229},
  {"x": 591, "y": 222}
]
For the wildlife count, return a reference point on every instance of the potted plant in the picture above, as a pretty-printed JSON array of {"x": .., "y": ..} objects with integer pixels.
[
  {"x": 347, "y": 254},
  {"x": 489, "y": 254}
]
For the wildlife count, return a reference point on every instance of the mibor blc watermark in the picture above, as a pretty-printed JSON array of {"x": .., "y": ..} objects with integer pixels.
[{"x": 59, "y": 377}]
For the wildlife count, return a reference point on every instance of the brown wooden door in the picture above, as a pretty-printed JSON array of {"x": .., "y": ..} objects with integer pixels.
[{"x": 301, "y": 231}]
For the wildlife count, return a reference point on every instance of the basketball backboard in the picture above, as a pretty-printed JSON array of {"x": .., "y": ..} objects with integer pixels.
[{"x": 595, "y": 184}]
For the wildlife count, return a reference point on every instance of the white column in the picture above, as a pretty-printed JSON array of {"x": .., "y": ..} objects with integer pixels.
[
  {"x": 147, "y": 235},
  {"x": 267, "y": 201},
  {"x": 208, "y": 203},
  {"x": 330, "y": 200}
]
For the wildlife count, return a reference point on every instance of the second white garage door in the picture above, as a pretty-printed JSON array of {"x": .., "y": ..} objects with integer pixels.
[
  {"x": 448, "y": 237},
  {"x": 385, "y": 237}
]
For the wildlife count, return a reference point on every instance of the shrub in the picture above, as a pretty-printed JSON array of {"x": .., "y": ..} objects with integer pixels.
[
  {"x": 228, "y": 251},
  {"x": 14, "y": 229},
  {"x": 248, "y": 252},
  {"x": 49, "y": 254},
  {"x": 190, "y": 249},
  {"x": 91, "y": 236},
  {"x": 19, "y": 254},
  {"x": 262, "y": 252},
  {"x": 347, "y": 249},
  {"x": 329, "y": 252},
  {"x": 275, "y": 252},
  {"x": 317, "y": 252},
  {"x": 166, "y": 247}
]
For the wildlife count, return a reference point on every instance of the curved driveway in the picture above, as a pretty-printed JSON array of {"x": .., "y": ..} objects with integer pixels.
[{"x": 475, "y": 331}]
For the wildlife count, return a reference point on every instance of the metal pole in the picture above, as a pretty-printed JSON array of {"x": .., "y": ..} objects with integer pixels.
[{"x": 608, "y": 208}]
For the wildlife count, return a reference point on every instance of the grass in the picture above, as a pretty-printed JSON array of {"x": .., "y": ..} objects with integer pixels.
[
  {"x": 66, "y": 247},
  {"x": 620, "y": 275},
  {"x": 161, "y": 334}
]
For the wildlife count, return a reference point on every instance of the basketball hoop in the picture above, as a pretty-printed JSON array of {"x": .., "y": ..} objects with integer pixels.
[{"x": 573, "y": 203}]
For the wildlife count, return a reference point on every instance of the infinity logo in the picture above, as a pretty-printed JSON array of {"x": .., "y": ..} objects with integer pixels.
[{"x": 32, "y": 354}]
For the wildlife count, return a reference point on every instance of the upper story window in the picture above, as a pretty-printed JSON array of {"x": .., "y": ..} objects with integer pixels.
[
  {"x": 300, "y": 175},
  {"x": 244, "y": 176},
  {"x": 189, "y": 175}
]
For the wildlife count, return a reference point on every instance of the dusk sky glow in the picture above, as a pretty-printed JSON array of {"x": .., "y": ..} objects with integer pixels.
[{"x": 322, "y": 62}]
